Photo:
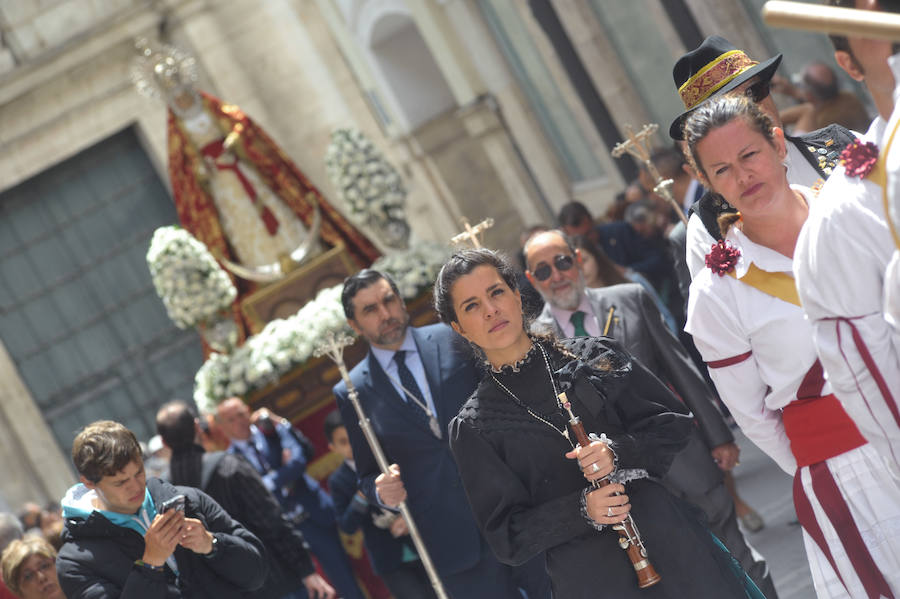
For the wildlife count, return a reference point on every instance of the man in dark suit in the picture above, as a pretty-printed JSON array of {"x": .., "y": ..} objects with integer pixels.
[
  {"x": 410, "y": 384},
  {"x": 234, "y": 483},
  {"x": 626, "y": 313},
  {"x": 282, "y": 466},
  {"x": 385, "y": 533}
]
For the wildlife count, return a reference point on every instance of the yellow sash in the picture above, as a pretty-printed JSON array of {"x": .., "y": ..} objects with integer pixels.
[
  {"x": 776, "y": 284},
  {"x": 878, "y": 175}
]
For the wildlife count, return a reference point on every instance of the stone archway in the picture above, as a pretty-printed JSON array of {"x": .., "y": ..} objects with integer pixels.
[{"x": 403, "y": 63}]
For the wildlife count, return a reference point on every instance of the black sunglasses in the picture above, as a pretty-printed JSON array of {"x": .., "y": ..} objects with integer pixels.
[
  {"x": 562, "y": 262},
  {"x": 759, "y": 91}
]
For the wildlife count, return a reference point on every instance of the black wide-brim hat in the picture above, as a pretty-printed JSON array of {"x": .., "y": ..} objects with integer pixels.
[{"x": 714, "y": 68}]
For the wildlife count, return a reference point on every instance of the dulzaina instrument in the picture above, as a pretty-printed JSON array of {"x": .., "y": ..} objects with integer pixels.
[{"x": 629, "y": 536}]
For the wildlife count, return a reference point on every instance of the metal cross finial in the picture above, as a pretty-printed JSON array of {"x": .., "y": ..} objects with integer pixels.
[
  {"x": 470, "y": 235},
  {"x": 638, "y": 145},
  {"x": 333, "y": 346}
]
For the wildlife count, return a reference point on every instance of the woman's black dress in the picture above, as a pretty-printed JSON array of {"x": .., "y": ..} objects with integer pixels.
[{"x": 527, "y": 497}]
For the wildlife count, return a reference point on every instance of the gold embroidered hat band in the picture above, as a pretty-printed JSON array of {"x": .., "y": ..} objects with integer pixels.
[{"x": 715, "y": 67}]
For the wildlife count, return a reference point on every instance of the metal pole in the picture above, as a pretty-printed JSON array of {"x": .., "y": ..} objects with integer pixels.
[
  {"x": 832, "y": 19},
  {"x": 333, "y": 348}
]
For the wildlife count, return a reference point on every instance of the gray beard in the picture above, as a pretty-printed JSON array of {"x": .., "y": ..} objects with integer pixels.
[{"x": 569, "y": 300}]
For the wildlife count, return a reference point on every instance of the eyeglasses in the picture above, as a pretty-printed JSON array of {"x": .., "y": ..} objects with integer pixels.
[
  {"x": 759, "y": 91},
  {"x": 562, "y": 262}
]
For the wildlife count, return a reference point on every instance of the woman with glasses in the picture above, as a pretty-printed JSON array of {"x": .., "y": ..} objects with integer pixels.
[
  {"x": 746, "y": 319},
  {"x": 29, "y": 569},
  {"x": 520, "y": 465}
]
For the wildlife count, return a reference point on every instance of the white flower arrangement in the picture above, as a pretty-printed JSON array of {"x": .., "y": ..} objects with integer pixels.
[
  {"x": 189, "y": 281},
  {"x": 371, "y": 187},
  {"x": 414, "y": 269},
  {"x": 287, "y": 343}
]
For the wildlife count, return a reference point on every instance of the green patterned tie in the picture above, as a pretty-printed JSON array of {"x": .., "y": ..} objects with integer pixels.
[{"x": 577, "y": 320}]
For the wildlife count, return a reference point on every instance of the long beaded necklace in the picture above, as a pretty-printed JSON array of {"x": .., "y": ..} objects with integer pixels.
[{"x": 562, "y": 431}]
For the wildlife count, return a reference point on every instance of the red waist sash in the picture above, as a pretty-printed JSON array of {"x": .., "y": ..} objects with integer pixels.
[{"x": 819, "y": 428}]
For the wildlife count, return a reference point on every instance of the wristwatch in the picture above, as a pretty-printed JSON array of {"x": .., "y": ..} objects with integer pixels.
[{"x": 215, "y": 546}]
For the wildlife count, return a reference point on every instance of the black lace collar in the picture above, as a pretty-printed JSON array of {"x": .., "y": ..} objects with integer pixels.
[{"x": 518, "y": 364}]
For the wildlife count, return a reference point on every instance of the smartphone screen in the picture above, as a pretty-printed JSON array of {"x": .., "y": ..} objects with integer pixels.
[{"x": 176, "y": 503}]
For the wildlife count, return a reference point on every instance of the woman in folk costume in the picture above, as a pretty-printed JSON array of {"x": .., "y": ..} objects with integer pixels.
[
  {"x": 520, "y": 464},
  {"x": 747, "y": 322}
]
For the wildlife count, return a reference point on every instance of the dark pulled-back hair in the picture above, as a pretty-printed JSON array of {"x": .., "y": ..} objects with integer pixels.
[
  {"x": 716, "y": 113},
  {"x": 104, "y": 448},
  {"x": 462, "y": 263},
  {"x": 356, "y": 283}
]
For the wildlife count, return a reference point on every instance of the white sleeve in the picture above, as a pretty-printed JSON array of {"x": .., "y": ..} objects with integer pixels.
[
  {"x": 840, "y": 263},
  {"x": 892, "y": 293},
  {"x": 698, "y": 243},
  {"x": 718, "y": 336},
  {"x": 892, "y": 164}
]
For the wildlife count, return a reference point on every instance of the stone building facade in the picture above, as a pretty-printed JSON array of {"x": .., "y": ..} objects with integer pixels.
[{"x": 502, "y": 108}]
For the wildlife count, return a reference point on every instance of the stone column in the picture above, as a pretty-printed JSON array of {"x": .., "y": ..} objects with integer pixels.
[
  {"x": 32, "y": 466},
  {"x": 600, "y": 60},
  {"x": 731, "y": 21}
]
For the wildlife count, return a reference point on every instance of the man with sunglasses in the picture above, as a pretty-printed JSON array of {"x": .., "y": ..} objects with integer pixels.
[
  {"x": 715, "y": 68},
  {"x": 626, "y": 313}
]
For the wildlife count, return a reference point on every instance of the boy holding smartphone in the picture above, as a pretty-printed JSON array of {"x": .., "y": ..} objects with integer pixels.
[{"x": 118, "y": 541}]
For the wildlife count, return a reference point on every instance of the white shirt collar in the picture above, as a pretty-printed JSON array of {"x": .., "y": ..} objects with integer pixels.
[
  {"x": 245, "y": 443},
  {"x": 876, "y": 130},
  {"x": 765, "y": 258},
  {"x": 386, "y": 356},
  {"x": 563, "y": 317},
  {"x": 894, "y": 63}
]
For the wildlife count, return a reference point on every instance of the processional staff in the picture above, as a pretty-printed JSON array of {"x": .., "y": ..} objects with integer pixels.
[
  {"x": 333, "y": 346},
  {"x": 832, "y": 19},
  {"x": 470, "y": 235},
  {"x": 638, "y": 145}
]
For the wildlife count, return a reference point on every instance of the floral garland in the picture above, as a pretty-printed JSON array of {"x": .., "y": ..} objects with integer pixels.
[
  {"x": 286, "y": 343},
  {"x": 192, "y": 285},
  {"x": 369, "y": 184}
]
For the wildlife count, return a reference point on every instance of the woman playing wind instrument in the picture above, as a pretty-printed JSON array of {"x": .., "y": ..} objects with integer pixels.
[{"x": 519, "y": 461}]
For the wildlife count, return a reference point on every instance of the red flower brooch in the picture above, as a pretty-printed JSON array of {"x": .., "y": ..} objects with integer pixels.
[
  {"x": 722, "y": 257},
  {"x": 859, "y": 158}
]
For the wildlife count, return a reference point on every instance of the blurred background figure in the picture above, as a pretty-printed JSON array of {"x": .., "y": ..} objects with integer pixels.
[
  {"x": 156, "y": 459},
  {"x": 822, "y": 101},
  {"x": 10, "y": 530},
  {"x": 600, "y": 271},
  {"x": 30, "y": 516},
  {"x": 29, "y": 569},
  {"x": 385, "y": 534},
  {"x": 575, "y": 219}
]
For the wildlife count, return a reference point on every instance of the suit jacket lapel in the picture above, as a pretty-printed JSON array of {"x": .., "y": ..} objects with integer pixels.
[
  {"x": 547, "y": 319},
  {"x": 600, "y": 306},
  {"x": 379, "y": 383},
  {"x": 430, "y": 354}
]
